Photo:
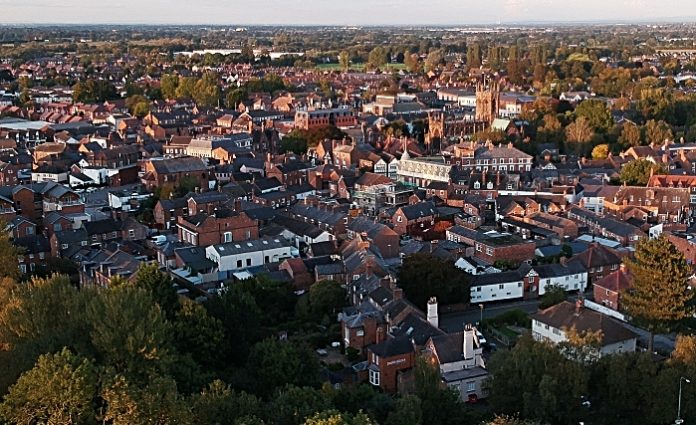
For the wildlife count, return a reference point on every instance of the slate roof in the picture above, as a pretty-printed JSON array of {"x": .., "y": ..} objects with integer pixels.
[
  {"x": 33, "y": 244},
  {"x": 392, "y": 347},
  {"x": 179, "y": 165},
  {"x": 419, "y": 210}
]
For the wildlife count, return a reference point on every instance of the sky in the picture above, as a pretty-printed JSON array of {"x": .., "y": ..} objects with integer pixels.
[{"x": 339, "y": 12}]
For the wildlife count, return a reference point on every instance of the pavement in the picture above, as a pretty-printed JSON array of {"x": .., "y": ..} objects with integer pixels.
[{"x": 454, "y": 322}]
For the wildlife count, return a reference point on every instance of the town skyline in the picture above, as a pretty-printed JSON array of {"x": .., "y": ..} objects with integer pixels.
[{"x": 313, "y": 12}]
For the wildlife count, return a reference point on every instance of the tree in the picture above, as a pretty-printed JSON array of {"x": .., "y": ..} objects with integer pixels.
[
  {"x": 579, "y": 131},
  {"x": 377, "y": 57},
  {"x": 186, "y": 185},
  {"x": 434, "y": 59},
  {"x": 236, "y": 96},
  {"x": 473, "y": 55},
  {"x": 600, "y": 151},
  {"x": 413, "y": 62},
  {"x": 130, "y": 333},
  {"x": 510, "y": 420},
  {"x": 407, "y": 411},
  {"x": 439, "y": 404},
  {"x": 423, "y": 276},
  {"x": 9, "y": 267},
  {"x": 94, "y": 91},
  {"x": 326, "y": 298},
  {"x": 333, "y": 417},
  {"x": 637, "y": 172},
  {"x": 581, "y": 346},
  {"x": 685, "y": 350},
  {"x": 660, "y": 297},
  {"x": 292, "y": 405},
  {"x": 630, "y": 135},
  {"x": 155, "y": 403},
  {"x": 207, "y": 90},
  {"x": 198, "y": 334},
  {"x": 535, "y": 380},
  {"x": 553, "y": 294},
  {"x": 596, "y": 113},
  {"x": 293, "y": 143},
  {"x": 60, "y": 389},
  {"x": 274, "y": 363},
  {"x": 344, "y": 61},
  {"x": 169, "y": 85},
  {"x": 159, "y": 285},
  {"x": 220, "y": 405},
  {"x": 657, "y": 132}
]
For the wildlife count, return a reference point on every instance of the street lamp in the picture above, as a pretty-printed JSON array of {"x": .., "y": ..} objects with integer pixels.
[
  {"x": 679, "y": 419},
  {"x": 481, "y": 307}
]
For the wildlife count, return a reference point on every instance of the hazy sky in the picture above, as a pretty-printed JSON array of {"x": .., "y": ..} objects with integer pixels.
[{"x": 341, "y": 12}]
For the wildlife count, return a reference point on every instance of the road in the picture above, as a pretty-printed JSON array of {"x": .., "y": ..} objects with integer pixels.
[{"x": 454, "y": 322}]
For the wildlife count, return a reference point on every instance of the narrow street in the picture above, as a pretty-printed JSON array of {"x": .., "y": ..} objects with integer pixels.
[{"x": 454, "y": 322}]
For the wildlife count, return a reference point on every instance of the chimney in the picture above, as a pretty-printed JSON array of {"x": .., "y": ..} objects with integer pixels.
[
  {"x": 468, "y": 348},
  {"x": 578, "y": 306},
  {"x": 379, "y": 337},
  {"x": 432, "y": 312},
  {"x": 622, "y": 268},
  {"x": 397, "y": 293}
]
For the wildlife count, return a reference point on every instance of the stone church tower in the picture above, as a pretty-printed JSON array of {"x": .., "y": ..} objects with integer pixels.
[
  {"x": 436, "y": 130},
  {"x": 487, "y": 101}
]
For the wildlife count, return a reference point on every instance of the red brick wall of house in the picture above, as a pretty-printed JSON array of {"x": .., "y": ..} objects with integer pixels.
[
  {"x": 24, "y": 203},
  {"x": 389, "y": 368},
  {"x": 606, "y": 297}
]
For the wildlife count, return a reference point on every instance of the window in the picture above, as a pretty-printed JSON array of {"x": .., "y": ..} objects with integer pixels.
[
  {"x": 478, "y": 248},
  {"x": 471, "y": 386},
  {"x": 248, "y": 262},
  {"x": 64, "y": 246},
  {"x": 489, "y": 251},
  {"x": 374, "y": 377},
  {"x": 57, "y": 227},
  {"x": 30, "y": 230},
  {"x": 398, "y": 219},
  {"x": 227, "y": 236},
  {"x": 360, "y": 332},
  {"x": 501, "y": 286},
  {"x": 131, "y": 233},
  {"x": 239, "y": 264}
]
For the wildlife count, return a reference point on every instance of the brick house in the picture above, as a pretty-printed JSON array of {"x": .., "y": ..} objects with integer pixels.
[
  {"x": 8, "y": 174},
  {"x": 598, "y": 260},
  {"x": 170, "y": 172},
  {"x": 421, "y": 215},
  {"x": 35, "y": 250},
  {"x": 289, "y": 172},
  {"x": 607, "y": 290},
  {"x": 27, "y": 202},
  {"x": 167, "y": 212},
  {"x": 22, "y": 227},
  {"x": 309, "y": 120},
  {"x": 221, "y": 227},
  {"x": 387, "y": 360},
  {"x": 493, "y": 246}
]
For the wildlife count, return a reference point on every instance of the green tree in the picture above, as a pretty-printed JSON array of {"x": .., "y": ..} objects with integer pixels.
[
  {"x": 218, "y": 404},
  {"x": 630, "y": 135},
  {"x": 344, "y": 61},
  {"x": 274, "y": 363},
  {"x": 473, "y": 55},
  {"x": 553, "y": 294},
  {"x": 293, "y": 143},
  {"x": 439, "y": 404},
  {"x": 60, "y": 389},
  {"x": 535, "y": 380},
  {"x": 637, "y": 172},
  {"x": 423, "y": 275},
  {"x": 292, "y": 405},
  {"x": 236, "y": 96},
  {"x": 155, "y": 403},
  {"x": 660, "y": 297},
  {"x": 407, "y": 411},
  {"x": 198, "y": 334},
  {"x": 9, "y": 268},
  {"x": 159, "y": 285},
  {"x": 207, "y": 90},
  {"x": 187, "y": 184},
  {"x": 377, "y": 57},
  {"x": 186, "y": 87},
  {"x": 657, "y": 132},
  {"x": 169, "y": 85},
  {"x": 130, "y": 333},
  {"x": 326, "y": 298},
  {"x": 334, "y": 417},
  {"x": 596, "y": 113}
]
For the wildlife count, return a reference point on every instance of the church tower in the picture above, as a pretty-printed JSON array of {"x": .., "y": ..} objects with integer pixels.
[
  {"x": 436, "y": 130},
  {"x": 487, "y": 101}
]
